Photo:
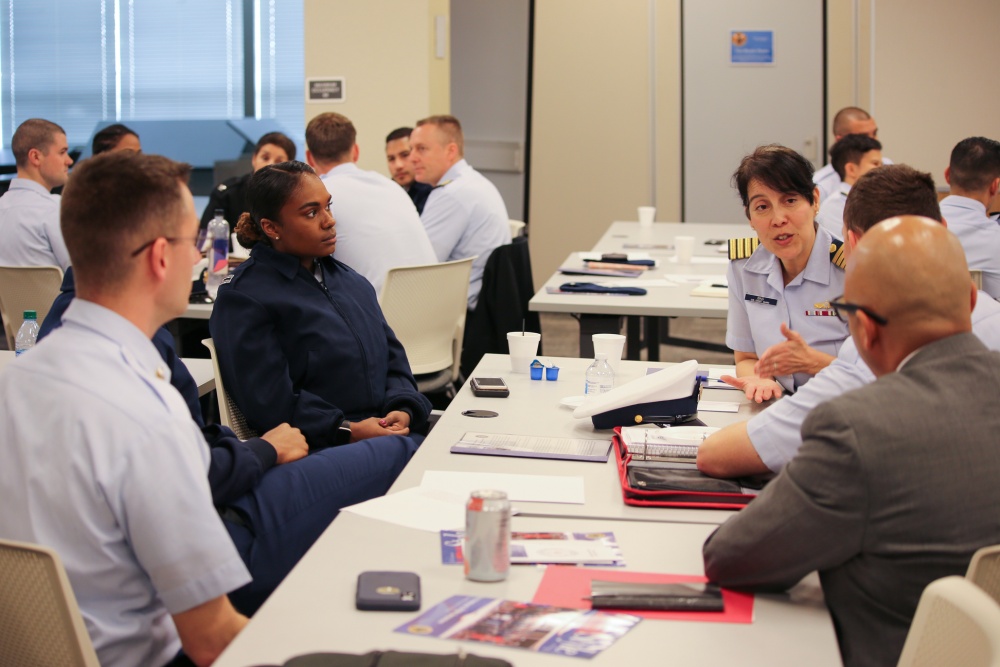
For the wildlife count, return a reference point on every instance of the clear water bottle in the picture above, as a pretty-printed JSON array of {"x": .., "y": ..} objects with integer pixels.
[
  {"x": 600, "y": 376},
  {"x": 27, "y": 334},
  {"x": 218, "y": 253}
]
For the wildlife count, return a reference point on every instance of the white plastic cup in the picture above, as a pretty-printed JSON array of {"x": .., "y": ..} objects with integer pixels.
[
  {"x": 522, "y": 350},
  {"x": 684, "y": 248},
  {"x": 646, "y": 215},
  {"x": 613, "y": 345}
]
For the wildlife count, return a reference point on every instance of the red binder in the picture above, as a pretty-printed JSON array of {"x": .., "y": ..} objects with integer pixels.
[{"x": 680, "y": 498}]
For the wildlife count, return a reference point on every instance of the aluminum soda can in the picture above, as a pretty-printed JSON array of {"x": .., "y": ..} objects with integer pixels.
[{"x": 487, "y": 536}]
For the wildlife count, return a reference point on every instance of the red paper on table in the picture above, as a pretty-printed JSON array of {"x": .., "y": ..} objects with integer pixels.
[{"x": 564, "y": 586}]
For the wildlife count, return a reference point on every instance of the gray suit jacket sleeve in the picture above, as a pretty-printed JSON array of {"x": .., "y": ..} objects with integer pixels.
[{"x": 811, "y": 517}]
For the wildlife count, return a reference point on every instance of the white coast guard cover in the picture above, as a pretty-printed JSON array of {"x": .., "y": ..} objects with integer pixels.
[{"x": 671, "y": 383}]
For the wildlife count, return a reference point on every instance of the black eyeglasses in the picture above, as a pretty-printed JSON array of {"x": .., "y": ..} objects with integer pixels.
[
  {"x": 193, "y": 240},
  {"x": 850, "y": 308}
]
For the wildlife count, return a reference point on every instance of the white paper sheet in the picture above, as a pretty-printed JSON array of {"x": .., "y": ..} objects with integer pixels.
[
  {"x": 523, "y": 488},
  {"x": 423, "y": 508},
  {"x": 703, "y": 260},
  {"x": 717, "y": 406}
]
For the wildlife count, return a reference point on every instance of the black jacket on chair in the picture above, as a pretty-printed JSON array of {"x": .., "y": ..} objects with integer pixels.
[{"x": 503, "y": 304}]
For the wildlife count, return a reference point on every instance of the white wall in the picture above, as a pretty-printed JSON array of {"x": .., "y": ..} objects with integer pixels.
[
  {"x": 385, "y": 49},
  {"x": 593, "y": 143},
  {"x": 489, "y": 82}
]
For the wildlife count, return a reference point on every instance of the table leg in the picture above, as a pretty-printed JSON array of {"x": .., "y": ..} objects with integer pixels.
[
  {"x": 633, "y": 337},
  {"x": 652, "y": 336},
  {"x": 591, "y": 324}
]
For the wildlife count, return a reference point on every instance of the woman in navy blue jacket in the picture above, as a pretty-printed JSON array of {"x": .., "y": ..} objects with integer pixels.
[{"x": 300, "y": 336}]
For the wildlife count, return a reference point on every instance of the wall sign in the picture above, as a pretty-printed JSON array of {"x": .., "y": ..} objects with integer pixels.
[
  {"x": 329, "y": 89},
  {"x": 751, "y": 47}
]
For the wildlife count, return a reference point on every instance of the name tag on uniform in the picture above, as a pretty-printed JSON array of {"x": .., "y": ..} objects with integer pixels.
[{"x": 753, "y": 298}]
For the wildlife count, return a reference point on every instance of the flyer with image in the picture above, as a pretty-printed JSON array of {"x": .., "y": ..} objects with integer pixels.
[
  {"x": 541, "y": 628},
  {"x": 546, "y": 548}
]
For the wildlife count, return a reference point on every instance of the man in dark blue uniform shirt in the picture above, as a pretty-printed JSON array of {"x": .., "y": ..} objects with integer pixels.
[{"x": 397, "y": 152}]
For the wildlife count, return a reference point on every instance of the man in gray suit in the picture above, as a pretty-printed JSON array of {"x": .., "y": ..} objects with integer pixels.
[{"x": 896, "y": 482}]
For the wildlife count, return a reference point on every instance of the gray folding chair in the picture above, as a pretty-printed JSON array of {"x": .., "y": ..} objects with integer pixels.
[
  {"x": 229, "y": 412},
  {"x": 40, "y": 622},
  {"x": 26, "y": 288}
]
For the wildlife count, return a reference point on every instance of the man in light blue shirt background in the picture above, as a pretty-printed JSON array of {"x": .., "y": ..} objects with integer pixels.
[
  {"x": 974, "y": 176},
  {"x": 29, "y": 214},
  {"x": 102, "y": 461},
  {"x": 378, "y": 227},
  {"x": 852, "y": 157},
  {"x": 464, "y": 215}
]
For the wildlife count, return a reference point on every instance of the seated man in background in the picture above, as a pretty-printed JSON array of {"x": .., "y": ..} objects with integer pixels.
[
  {"x": 849, "y": 120},
  {"x": 230, "y": 195},
  {"x": 102, "y": 460},
  {"x": 397, "y": 153},
  {"x": 378, "y": 227},
  {"x": 895, "y": 483},
  {"x": 974, "y": 176},
  {"x": 29, "y": 213},
  {"x": 465, "y": 215},
  {"x": 772, "y": 437},
  {"x": 852, "y": 157}
]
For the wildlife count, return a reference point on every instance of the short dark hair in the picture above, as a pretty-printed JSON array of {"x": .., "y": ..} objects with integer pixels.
[
  {"x": 451, "y": 128},
  {"x": 33, "y": 133},
  {"x": 850, "y": 149},
  {"x": 777, "y": 167},
  {"x": 114, "y": 203},
  {"x": 278, "y": 139},
  {"x": 842, "y": 121},
  {"x": 975, "y": 163},
  {"x": 889, "y": 191},
  {"x": 267, "y": 192},
  {"x": 330, "y": 137},
  {"x": 399, "y": 133},
  {"x": 108, "y": 138}
]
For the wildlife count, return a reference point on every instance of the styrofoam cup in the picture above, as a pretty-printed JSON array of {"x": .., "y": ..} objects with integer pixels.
[
  {"x": 646, "y": 215},
  {"x": 612, "y": 345},
  {"x": 684, "y": 247},
  {"x": 523, "y": 347}
]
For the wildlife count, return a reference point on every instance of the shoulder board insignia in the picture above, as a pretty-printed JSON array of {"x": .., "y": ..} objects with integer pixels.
[
  {"x": 742, "y": 248},
  {"x": 222, "y": 187},
  {"x": 442, "y": 184},
  {"x": 837, "y": 253},
  {"x": 228, "y": 279}
]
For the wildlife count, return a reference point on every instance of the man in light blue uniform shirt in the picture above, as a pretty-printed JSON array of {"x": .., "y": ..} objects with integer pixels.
[
  {"x": 102, "y": 461},
  {"x": 974, "y": 176},
  {"x": 772, "y": 437},
  {"x": 849, "y": 120},
  {"x": 29, "y": 214},
  {"x": 464, "y": 215},
  {"x": 378, "y": 227},
  {"x": 852, "y": 157}
]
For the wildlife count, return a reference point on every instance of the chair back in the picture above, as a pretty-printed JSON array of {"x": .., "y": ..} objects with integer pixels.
[
  {"x": 984, "y": 571},
  {"x": 40, "y": 622},
  {"x": 425, "y": 305},
  {"x": 503, "y": 304},
  {"x": 516, "y": 228},
  {"x": 26, "y": 288},
  {"x": 229, "y": 413},
  {"x": 977, "y": 278},
  {"x": 956, "y": 624}
]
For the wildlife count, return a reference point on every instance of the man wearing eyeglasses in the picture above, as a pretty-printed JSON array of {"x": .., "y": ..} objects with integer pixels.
[
  {"x": 102, "y": 461},
  {"x": 895, "y": 483},
  {"x": 769, "y": 440}
]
